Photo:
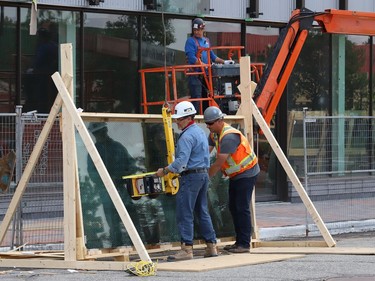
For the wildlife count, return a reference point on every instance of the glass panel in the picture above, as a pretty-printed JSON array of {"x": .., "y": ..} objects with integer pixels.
[
  {"x": 39, "y": 60},
  {"x": 356, "y": 75},
  {"x": 373, "y": 77},
  {"x": 176, "y": 33},
  {"x": 40, "y": 55},
  {"x": 144, "y": 150},
  {"x": 181, "y": 7},
  {"x": 308, "y": 86},
  {"x": 260, "y": 43},
  {"x": 110, "y": 61},
  {"x": 8, "y": 59}
]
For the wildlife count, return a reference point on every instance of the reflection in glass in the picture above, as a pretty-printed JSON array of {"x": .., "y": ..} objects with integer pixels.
[{"x": 154, "y": 218}]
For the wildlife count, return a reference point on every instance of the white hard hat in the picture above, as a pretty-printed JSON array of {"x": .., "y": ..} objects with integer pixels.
[
  {"x": 183, "y": 109},
  {"x": 198, "y": 23}
]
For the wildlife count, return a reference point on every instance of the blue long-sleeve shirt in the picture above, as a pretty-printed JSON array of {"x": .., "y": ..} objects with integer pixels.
[
  {"x": 191, "y": 50},
  {"x": 192, "y": 150}
]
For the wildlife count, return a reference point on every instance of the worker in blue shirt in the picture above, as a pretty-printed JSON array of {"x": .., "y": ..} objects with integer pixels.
[
  {"x": 197, "y": 86},
  {"x": 192, "y": 160}
]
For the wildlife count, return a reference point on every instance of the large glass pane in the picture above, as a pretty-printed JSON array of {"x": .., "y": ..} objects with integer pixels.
[
  {"x": 162, "y": 45},
  {"x": 174, "y": 34},
  {"x": 182, "y": 7},
  {"x": 308, "y": 87},
  {"x": 110, "y": 63},
  {"x": 372, "y": 93},
  {"x": 39, "y": 60},
  {"x": 40, "y": 55},
  {"x": 8, "y": 59},
  {"x": 357, "y": 70},
  {"x": 260, "y": 43},
  {"x": 144, "y": 150}
]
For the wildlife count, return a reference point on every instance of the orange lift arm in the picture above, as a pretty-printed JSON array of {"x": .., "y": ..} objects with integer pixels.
[{"x": 289, "y": 45}]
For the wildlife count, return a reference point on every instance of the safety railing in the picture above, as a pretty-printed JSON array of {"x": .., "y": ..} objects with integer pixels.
[{"x": 203, "y": 70}]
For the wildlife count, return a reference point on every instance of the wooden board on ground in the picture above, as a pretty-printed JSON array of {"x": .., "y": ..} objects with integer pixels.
[
  {"x": 314, "y": 250},
  {"x": 223, "y": 261}
]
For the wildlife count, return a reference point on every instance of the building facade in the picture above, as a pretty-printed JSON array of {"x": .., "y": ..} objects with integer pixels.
[{"x": 113, "y": 40}]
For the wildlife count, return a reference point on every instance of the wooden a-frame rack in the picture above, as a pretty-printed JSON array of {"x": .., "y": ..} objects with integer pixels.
[{"x": 75, "y": 253}]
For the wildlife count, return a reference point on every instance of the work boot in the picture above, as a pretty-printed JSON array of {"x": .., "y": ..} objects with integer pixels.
[
  {"x": 228, "y": 247},
  {"x": 186, "y": 253},
  {"x": 239, "y": 249},
  {"x": 211, "y": 250}
]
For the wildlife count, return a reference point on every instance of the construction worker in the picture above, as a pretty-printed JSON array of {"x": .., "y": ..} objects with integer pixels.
[
  {"x": 191, "y": 162},
  {"x": 197, "y": 85},
  {"x": 236, "y": 159}
]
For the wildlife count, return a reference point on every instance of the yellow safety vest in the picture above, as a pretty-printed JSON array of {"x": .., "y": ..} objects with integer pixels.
[{"x": 242, "y": 159}]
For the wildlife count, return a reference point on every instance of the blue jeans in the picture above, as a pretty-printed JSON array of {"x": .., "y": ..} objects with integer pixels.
[
  {"x": 240, "y": 192},
  {"x": 192, "y": 198}
]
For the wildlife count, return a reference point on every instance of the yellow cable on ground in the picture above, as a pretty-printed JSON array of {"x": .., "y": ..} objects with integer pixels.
[{"x": 141, "y": 268}]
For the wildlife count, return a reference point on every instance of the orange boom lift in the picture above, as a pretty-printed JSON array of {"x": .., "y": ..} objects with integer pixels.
[{"x": 276, "y": 74}]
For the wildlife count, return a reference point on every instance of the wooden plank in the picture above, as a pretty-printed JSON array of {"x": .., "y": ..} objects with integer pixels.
[
  {"x": 106, "y": 255},
  {"x": 97, "y": 160},
  {"x": 293, "y": 177},
  {"x": 69, "y": 153},
  {"x": 147, "y": 118},
  {"x": 315, "y": 250},
  {"x": 247, "y": 88},
  {"x": 246, "y": 94},
  {"x": 29, "y": 167},
  {"x": 47, "y": 263},
  {"x": 223, "y": 261},
  {"x": 258, "y": 244}
]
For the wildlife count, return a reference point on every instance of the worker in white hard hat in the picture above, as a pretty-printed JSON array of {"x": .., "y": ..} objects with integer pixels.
[
  {"x": 192, "y": 160},
  {"x": 195, "y": 42},
  {"x": 236, "y": 160}
]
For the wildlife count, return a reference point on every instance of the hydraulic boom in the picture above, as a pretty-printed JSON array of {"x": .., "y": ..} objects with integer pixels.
[{"x": 289, "y": 45}]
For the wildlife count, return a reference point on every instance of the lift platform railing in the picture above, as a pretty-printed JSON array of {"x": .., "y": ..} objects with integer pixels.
[{"x": 201, "y": 69}]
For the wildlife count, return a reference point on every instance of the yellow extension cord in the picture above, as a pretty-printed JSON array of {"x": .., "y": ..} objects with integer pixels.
[{"x": 141, "y": 268}]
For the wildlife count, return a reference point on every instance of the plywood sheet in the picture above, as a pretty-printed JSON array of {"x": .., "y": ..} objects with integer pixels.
[
  {"x": 315, "y": 250},
  {"x": 223, "y": 261}
]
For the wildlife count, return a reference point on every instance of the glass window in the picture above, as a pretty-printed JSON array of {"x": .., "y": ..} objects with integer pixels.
[
  {"x": 8, "y": 59},
  {"x": 372, "y": 93},
  {"x": 154, "y": 217},
  {"x": 357, "y": 70},
  {"x": 308, "y": 86},
  {"x": 40, "y": 55},
  {"x": 260, "y": 42},
  {"x": 110, "y": 63}
]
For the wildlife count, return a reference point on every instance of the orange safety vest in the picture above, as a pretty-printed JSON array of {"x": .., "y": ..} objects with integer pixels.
[{"x": 242, "y": 159}]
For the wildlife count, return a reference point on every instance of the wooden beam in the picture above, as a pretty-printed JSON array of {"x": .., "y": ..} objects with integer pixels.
[
  {"x": 97, "y": 160},
  {"x": 69, "y": 152},
  {"x": 247, "y": 88},
  {"x": 292, "y": 176}
]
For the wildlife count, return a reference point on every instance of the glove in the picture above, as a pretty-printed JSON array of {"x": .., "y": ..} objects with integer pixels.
[{"x": 228, "y": 62}]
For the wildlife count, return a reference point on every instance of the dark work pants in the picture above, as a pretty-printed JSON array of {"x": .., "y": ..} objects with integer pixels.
[
  {"x": 240, "y": 192},
  {"x": 198, "y": 89}
]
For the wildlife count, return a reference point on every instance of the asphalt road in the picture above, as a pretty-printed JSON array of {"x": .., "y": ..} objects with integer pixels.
[{"x": 311, "y": 267}]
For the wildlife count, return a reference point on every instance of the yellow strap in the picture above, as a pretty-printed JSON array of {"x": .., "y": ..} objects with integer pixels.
[{"x": 141, "y": 268}]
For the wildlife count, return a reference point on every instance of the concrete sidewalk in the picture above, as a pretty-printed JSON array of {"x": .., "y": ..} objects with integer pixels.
[{"x": 277, "y": 220}]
